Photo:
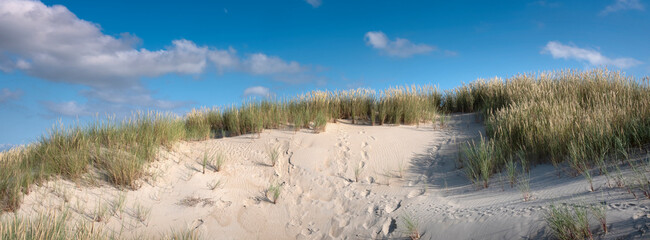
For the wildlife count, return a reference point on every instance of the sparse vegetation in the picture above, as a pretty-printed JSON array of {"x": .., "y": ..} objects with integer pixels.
[
  {"x": 189, "y": 234},
  {"x": 357, "y": 173},
  {"x": 569, "y": 222},
  {"x": 47, "y": 226},
  {"x": 118, "y": 204},
  {"x": 600, "y": 212},
  {"x": 141, "y": 213},
  {"x": 412, "y": 227},
  {"x": 273, "y": 153},
  {"x": 511, "y": 171},
  {"x": 214, "y": 184},
  {"x": 193, "y": 201},
  {"x": 479, "y": 160},
  {"x": 100, "y": 213},
  {"x": 273, "y": 193},
  {"x": 524, "y": 185},
  {"x": 599, "y": 112}
]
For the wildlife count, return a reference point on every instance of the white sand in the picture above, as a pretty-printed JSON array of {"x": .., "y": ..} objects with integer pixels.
[{"x": 321, "y": 200}]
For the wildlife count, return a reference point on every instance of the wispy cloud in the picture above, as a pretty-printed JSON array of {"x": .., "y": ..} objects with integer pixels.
[
  {"x": 257, "y": 91},
  {"x": 593, "y": 57},
  {"x": 546, "y": 4},
  {"x": 7, "y": 95},
  {"x": 399, "y": 47},
  {"x": 68, "y": 109},
  {"x": 314, "y": 3},
  {"x": 620, "y": 5},
  {"x": 262, "y": 64}
]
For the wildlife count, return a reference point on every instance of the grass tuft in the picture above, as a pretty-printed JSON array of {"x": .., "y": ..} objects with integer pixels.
[
  {"x": 273, "y": 193},
  {"x": 569, "y": 222}
]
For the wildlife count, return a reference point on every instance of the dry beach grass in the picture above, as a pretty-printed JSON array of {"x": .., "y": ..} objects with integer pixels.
[{"x": 593, "y": 123}]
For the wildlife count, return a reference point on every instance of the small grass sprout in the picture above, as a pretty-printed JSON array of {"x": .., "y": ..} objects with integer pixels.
[
  {"x": 214, "y": 184},
  {"x": 273, "y": 193},
  {"x": 599, "y": 210},
  {"x": 273, "y": 153},
  {"x": 141, "y": 213},
  {"x": 357, "y": 173},
  {"x": 412, "y": 227}
]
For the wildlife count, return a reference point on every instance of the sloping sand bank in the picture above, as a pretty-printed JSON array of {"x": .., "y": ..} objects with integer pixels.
[{"x": 403, "y": 172}]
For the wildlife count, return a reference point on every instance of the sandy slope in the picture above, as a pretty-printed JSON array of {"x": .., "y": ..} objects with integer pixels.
[{"x": 320, "y": 198}]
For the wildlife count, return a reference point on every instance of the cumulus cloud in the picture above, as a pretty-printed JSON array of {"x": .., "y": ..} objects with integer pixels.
[
  {"x": 256, "y": 91},
  {"x": 399, "y": 47},
  {"x": 593, "y": 57},
  {"x": 620, "y": 5},
  {"x": 314, "y": 3},
  {"x": 52, "y": 43},
  {"x": 7, "y": 95}
]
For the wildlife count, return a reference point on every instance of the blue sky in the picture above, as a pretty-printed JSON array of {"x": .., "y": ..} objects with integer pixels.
[{"x": 69, "y": 61}]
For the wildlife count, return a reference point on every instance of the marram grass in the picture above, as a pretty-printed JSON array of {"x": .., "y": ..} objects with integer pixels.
[{"x": 598, "y": 112}]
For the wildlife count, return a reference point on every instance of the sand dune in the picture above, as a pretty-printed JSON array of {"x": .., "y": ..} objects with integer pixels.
[{"x": 402, "y": 171}]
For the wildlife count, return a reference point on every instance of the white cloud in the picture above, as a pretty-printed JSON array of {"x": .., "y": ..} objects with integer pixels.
[
  {"x": 593, "y": 57},
  {"x": 314, "y": 3},
  {"x": 69, "y": 109},
  {"x": 400, "y": 47},
  {"x": 262, "y": 64},
  {"x": 256, "y": 91},
  {"x": 52, "y": 43},
  {"x": 224, "y": 59},
  {"x": 620, "y": 5},
  {"x": 6, "y": 94}
]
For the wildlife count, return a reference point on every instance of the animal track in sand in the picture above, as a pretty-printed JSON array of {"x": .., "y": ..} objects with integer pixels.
[{"x": 415, "y": 193}]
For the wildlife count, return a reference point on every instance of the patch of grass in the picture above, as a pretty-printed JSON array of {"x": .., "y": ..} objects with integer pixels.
[
  {"x": 118, "y": 204},
  {"x": 442, "y": 119},
  {"x": 273, "y": 193},
  {"x": 511, "y": 171},
  {"x": 141, "y": 213},
  {"x": 47, "y": 226},
  {"x": 569, "y": 222},
  {"x": 100, "y": 213},
  {"x": 214, "y": 184},
  {"x": 189, "y": 234},
  {"x": 357, "y": 173},
  {"x": 273, "y": 153},
  {"x": 320, "y": 122},
  {"x": 524, "y": 186},
  {"x": 599, "y": 112},
  {"x": 600, "y": 212},
  {"x": 412, "y": 227},
  {"x": 479, "y": 161}
]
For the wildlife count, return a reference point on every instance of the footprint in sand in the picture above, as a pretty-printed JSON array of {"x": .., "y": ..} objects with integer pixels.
[
  {"x": 415, "y": 193},
  {"x": 337, "y": 227},
  {"x": 392, "y": 206},
  {"x": 389, "y": 226}
]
